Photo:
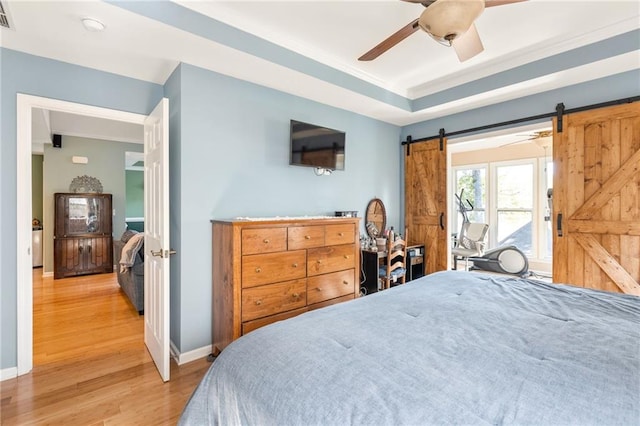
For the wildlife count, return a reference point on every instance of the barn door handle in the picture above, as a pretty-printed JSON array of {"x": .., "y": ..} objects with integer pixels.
[
  {"x": 442, "y": 221},
  {"x": 559, "y": 224}
]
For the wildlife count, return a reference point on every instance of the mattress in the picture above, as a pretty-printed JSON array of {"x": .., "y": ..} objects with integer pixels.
[{"x": 452, "y": 347}]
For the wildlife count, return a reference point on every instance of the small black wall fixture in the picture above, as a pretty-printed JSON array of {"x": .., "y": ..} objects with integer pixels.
[{"x": 57, "y": 141}]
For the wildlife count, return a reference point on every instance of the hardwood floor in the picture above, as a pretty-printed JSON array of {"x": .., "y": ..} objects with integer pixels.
[{"x": 90, "y": 363}]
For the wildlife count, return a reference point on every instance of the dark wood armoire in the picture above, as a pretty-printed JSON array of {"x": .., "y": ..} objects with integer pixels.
[{"x": 82, "y": 235}]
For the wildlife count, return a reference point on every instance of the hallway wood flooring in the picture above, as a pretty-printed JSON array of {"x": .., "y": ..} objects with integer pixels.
[{"x": 91, "y": 366}]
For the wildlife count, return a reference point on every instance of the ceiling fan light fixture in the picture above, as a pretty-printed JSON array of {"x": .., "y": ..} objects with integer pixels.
[{"x": 444, "y": 20}]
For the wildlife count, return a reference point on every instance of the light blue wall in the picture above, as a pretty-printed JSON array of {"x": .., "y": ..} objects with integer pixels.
[
  {"x": 229, "y": 144},
  {"x": 22, "y": 73},
  {"x": 234, "y": 161}
]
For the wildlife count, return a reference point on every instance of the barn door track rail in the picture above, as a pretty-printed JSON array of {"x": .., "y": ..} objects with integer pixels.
[{"x": 559, "y": 112}]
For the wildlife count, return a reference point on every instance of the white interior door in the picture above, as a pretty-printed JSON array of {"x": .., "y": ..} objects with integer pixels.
[{"x": 156, "y": 239}]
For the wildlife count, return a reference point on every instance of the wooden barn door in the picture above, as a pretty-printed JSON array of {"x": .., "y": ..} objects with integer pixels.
[
  {"x": 426, "y": 201},
  {"x": 596, "y": 200}
]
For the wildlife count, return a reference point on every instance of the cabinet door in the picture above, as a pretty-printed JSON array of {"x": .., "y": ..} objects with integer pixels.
[
  {"x": 97, "y": 255},
  {"x": 68, "y": 257},
  {"x": 81, "y": 214}
]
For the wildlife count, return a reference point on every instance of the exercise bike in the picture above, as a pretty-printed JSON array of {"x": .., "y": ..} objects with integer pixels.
[{"x": 507, "y": 259}]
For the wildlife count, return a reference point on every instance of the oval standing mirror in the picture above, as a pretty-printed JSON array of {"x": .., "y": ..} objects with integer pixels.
[{"x": 375, "y": 218}]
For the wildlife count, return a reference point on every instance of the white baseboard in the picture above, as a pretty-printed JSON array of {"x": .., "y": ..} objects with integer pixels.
[
  {"x": 183, "y": 358},
  {"x": 8, "y": 373},
  {"x": 12, "y": 373},
  {"x": 47, "y": 274}
]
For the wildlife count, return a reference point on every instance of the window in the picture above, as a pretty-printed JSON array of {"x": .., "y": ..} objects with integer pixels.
[
  {"x": 514, "y": 206},
  {"x": 510, "y": 196},
  {"x": 472, "y": 184}
]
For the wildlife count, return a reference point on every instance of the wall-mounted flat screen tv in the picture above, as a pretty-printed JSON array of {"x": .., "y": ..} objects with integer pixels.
[{"x": 316, "y": 146}]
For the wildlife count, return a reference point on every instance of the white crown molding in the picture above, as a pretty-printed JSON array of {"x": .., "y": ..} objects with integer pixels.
[
  {"x": 237, "y": 21},
  {"x": 532, "y": 54},
  {"x": 592, "y": 71}
]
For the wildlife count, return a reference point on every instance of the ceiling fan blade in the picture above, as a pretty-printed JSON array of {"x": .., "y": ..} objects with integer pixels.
[
  {"x": 491, "y": 3},
  {"x": 391, "y": 41},
  {"x": 468, "y": 44}
]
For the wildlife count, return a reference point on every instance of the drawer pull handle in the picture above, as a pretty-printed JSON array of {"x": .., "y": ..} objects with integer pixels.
[
  {"x": 345, "y": 282},
  {"x": 319, "y": 288},
  {"x": 295, "y": 295},
  {"x": 258, "y": 270},
  {"x": 319, "y": 261},
  {"x": 295, "y": 265},
  {"x": 341, "y": 234},
  {"x": 307, "y": 237},
  {"x": 266, "y": 241},
  {"x": 346, "y": 256},
  {"x": 259, "y": 302}
]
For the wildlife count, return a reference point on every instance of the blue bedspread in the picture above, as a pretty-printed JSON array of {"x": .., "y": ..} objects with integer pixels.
[{"x": 449, "y": 348}]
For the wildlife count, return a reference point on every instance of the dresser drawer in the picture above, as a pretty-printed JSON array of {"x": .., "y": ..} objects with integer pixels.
[
  {"x": 339, "y": 234},
  {"x": 268, "y": 268},
  {"x": 331, "y": 302},
  {"x": 330, "y": 286},
  {"x": 264, "y": 240},
  {"x": 262, "y": 301},
  {"x": 303, "y": 237},
  {"x": 330, "y": 259},
  {"x": 249, "y": 326}
]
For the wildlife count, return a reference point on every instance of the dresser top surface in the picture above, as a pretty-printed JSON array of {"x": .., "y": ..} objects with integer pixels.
[{"x": 286, "y": 220}]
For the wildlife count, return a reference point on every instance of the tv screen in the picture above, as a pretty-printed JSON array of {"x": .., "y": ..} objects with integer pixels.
[{"x": 316, "y": 146}]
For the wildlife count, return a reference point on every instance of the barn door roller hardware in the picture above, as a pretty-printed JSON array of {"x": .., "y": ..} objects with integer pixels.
[{"x": 559, "y": 114}]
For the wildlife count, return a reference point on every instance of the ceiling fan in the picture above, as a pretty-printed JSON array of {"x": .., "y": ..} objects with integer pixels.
[
  {"x": 543, "y": 138},
  {"x": 449, "y": 22}
]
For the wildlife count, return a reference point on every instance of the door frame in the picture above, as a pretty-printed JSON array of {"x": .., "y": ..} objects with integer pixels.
[{"x": 24, "y": 281}]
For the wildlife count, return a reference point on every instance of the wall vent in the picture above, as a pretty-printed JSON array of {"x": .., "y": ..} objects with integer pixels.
[{"x": 5, "y": 19}]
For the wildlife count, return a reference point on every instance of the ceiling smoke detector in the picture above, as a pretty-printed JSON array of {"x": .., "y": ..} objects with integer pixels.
[{"x": 93, "y": 25}]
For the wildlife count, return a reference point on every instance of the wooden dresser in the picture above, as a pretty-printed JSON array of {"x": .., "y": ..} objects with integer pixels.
[{"x": 269, "y": 270}]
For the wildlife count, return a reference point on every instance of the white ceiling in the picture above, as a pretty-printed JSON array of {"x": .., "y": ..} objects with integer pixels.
[{"x": 310, "y": 48}]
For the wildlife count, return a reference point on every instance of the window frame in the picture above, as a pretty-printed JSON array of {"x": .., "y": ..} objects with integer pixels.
[{"x": 457, "y": 217}]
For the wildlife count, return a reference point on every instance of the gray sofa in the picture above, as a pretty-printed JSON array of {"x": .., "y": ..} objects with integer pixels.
[{"x": 131, "y": 279}]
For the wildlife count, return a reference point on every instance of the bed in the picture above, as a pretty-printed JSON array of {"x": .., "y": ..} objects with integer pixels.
[{"x": 450, "y": 348}]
